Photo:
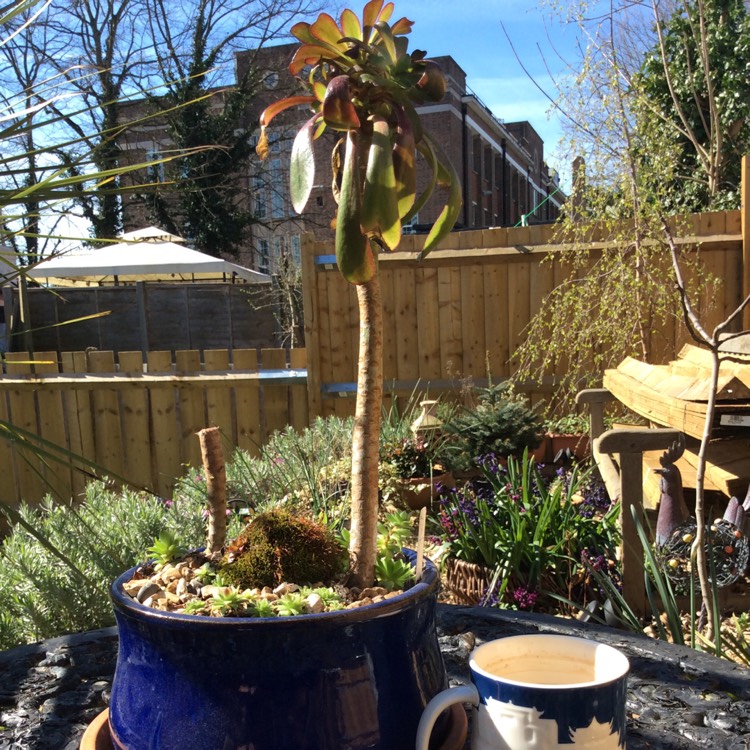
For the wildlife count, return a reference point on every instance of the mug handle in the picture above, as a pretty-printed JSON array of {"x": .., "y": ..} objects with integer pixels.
[{"x": 443, "y": 700}]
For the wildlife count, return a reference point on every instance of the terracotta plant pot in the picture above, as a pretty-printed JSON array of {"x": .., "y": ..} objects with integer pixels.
[
  {"x": 355, "y": 678},
  {"x": 418, "y": 492},
  {"x": 576, "y": 445}
]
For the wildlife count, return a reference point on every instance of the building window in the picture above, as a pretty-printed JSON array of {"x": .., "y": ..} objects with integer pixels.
[
  {"x": 260, "y": 204},
  {"x": 263, "y": 256},
  {"x": 277, "y": 185},
  {"x": 295, "y": 249},
  {"x": 277, "y": 246},
  {"x": 154, "y": 172}
]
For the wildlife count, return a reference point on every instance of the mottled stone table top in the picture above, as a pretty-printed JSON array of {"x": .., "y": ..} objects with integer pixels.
[{"x": 677, "y": 698}]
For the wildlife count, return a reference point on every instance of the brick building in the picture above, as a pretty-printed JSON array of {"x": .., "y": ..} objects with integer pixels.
[{"x": 501, "y": 165}]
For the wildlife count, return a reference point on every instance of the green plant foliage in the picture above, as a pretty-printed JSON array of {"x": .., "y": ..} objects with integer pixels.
[
  {"x": 500, "y": 424},
  {"x": 393, "y": 573},
  {"x": 290, "y": 605},
  {"x": 308, "y": 470},
  {"x": 165, "y": 548},
  {"x": 706, "y": 45},
  {"x": 394, "y": 532},
  {"x": 59, "y": 560},
  {"x": 277, "y": 547},
  {"x": 534, "y": 532},
  {"x": 569, "y": 424},
  {"x": 412, "y": 457}
]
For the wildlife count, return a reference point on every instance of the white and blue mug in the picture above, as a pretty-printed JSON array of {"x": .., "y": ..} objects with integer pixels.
[{"x": 534, "y": 692}]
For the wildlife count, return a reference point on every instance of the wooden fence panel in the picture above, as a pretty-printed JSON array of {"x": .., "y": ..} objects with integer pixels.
[
  {"x": 52, "y": 426},
  {"x": 23, "y": 414},
  {"x": 467, "y": 307},
  {"x": 140, "y": 425},
  {"x": 247, "y": 404},
  {"x": 135, "y": 427},
  {"x": 166, "y": 435},
  {"x": 277, "y": 397},
  {"x": 106, "y": 413},
  {"x": 218, "y": 398},
  {"x": 192, "y": 407}
]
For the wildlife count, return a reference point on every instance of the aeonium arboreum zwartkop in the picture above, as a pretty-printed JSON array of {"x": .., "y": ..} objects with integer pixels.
[{"x": 363, "y": 83}]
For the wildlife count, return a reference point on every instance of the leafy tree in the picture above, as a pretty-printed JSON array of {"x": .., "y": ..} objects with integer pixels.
[
  {"x": 618, "y": 292},
  {"x": 364, "y": 84},
  {"x": 194, "y": 52},
  {"x": 694, "y": 83}
]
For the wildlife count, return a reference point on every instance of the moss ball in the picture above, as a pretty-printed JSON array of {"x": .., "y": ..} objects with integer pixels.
[{"x": 277, "y": 547}]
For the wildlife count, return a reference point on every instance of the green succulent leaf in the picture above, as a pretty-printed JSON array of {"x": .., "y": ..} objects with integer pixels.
[
  {"x": 354, "y": 255},
  {"x": 446, "y": 174},
  {"x": 326, "y": 30},
  {"x": 302, "y": 166},
  {"x": 338, "y": 109},
  {"x": 350, "y": 24},
  {"x": 404, "y": 164},
  {"x": 379, "y": 215}
]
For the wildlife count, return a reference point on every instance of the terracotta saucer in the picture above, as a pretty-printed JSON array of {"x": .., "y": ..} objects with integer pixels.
[{"x": 96, "y": 736}]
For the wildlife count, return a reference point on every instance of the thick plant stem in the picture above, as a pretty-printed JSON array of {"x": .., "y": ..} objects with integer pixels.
[
  {"x": 366, "y": 436},
  {"x": 216, "y": 488}
]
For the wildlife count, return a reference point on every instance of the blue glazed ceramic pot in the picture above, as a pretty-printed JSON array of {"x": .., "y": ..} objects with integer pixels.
[{"x": 352, "y": 679}]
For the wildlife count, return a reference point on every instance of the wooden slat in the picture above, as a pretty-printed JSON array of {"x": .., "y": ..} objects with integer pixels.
[
  {"x": 405, "y": 333},
  {"x": 298, "y": 408},
  {"x": 52, "y": 428},
  {"x": 472, "y": 320},
  {"x": 218, "y": 397},
  {"x": 22, "y": 414},
  {"x": 428, "y": 330},
  {"x": 247, "y": 404},
  {"x": 9, "y": 488},
  {"x": 275, "y": 398},
  {"x": 78, "y": 416},
  {"x": 192, "y": 405},
  {"x": 519, "y": 275},
  {"x": 106, "y": 412},
  {"x": 165, "y": 434},
  {"x": 390, "y": 355},
  {"x": 496, "y": 332},
  {"x": 135, "y": 429},
  {"x": 310, "y": 304},
  {"x": 339, "y": 335},
  {"x": 449, "y": 314}
]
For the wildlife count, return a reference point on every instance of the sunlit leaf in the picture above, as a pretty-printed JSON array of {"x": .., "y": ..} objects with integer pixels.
[
  {"x": 404, "y": 164},
  {"x": 338, "y": 109},
  {"x": 389, "y": 44},
  {"x": 354, "y": 255},
  {"x": 447, "y": 219},
  {"x": 402, "y": 26},
  {"x": 274, "y": 109},
  {"x": 370, "y": 13},
  {"x": 301, "y": 31},
  {"x": 425, "y": 149},
  {"x": 326, "y": 30},
  {"x": 379, "y": 201},
  {"x": 350, "y": 24},
  {"x": 309, "y": 54},
  {"x": 302, "y": 165}
]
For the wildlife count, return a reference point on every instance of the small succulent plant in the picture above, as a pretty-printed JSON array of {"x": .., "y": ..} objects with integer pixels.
[{"x": 165, "y": 548}]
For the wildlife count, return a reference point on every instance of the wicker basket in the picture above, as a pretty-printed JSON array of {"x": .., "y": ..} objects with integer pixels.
[{"x": 466, "y": 581}]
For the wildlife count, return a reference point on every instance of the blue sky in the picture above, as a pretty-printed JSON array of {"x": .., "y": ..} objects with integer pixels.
[{"x": 471, "y": 32}]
